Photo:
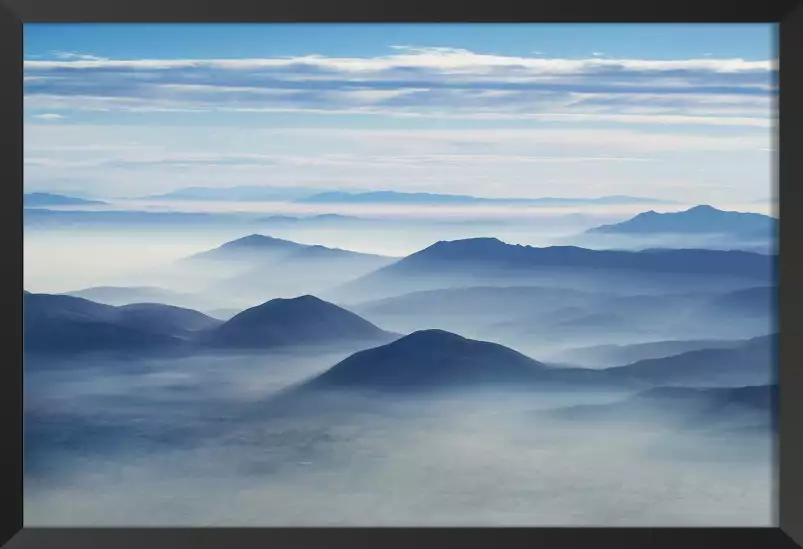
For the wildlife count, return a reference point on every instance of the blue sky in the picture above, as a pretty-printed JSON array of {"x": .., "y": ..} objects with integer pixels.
[
  {"x": 489, "y": 109},
  {"x": 170, "y": 41}
]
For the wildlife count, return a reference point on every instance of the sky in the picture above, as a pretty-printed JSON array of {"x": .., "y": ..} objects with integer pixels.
[{"x": 515, "y": 110}]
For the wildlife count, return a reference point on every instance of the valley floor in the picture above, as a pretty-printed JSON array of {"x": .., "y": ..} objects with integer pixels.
[{"x": 189, "y": 443}]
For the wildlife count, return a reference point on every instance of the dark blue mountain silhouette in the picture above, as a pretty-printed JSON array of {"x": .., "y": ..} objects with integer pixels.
[
  {"x": 429, "y": 359},
  {"x": 432, "y": 360},
  {"x": 491, "y": 253},
  {"x": 63, "y": 325},
  {"x": 697, "y": 220},
  {"x": 304, "y": 320},
  {"x": 750, "y": 363},
  {"x": 38, "y": 200},
  {"x": 167, "y": 318}
]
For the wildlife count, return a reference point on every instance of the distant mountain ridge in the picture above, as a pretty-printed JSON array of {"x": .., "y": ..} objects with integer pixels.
[
  {"x": 35, "y": 200},
  {"x": 493, "y": 253},
  {"x": 753, "y": 362},
  {"x": 242, "y": 193},
  {"x": 254, "y": 244},
  {"x": 615, "y": 355},
  {"x": 258, "y": 267},
  {"x": 43, "y": 217},
  {"x": 703, "y": 219},
  {"x": 393, "y": 197}
]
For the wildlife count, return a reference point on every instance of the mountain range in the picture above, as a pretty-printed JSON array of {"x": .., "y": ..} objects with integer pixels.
[
  {"x": 495, "y": 253},
  {"x": 39, "y": 200},
  {"x": 489, "y": 261},
  {"x": 56, "y": 324},
  {"x": 434, "y": 359},
  {"x": 392, "y": 197},
  {"x": 257, "y": 247},
  {"x": 256, "y": 267},
  {"x": 66, "y": 325},
  {"x": 702, "y": 219},
  {"x": 753, "y": 362},
  {"x": 48, "y": 218},
  {"x": 243, "y": 193}
]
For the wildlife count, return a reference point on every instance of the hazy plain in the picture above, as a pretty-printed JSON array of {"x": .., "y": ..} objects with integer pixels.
[{"x": 188, "y": 443}]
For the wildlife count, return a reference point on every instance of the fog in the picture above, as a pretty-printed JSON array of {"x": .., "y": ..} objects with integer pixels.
[
  {"x": 232, "y": 439},
  {"x": 63, "y": 259},
  {"x": 195, "y": 442}
]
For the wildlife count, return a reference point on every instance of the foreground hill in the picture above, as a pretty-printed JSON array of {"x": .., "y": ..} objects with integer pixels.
[
  {"x": 430, "y": 359},
  {"x": 304, "y": 320}
]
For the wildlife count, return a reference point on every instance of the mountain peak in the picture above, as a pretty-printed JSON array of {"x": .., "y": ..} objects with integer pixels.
[
  {"x": 477, "y": 243},
  {"x": 703, "y": 208},
  {"x": 300, "y": 300},
  {"x": 431, "y": 359},
  {"x": 700, "y": 219},
  {"x": 254, "y": 240},
  {"x": 300, "y": 320},
  {"x": 433, "y": 335}
]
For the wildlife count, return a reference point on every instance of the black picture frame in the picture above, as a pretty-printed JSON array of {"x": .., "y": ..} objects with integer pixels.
[{"x": 789, "y": 15}]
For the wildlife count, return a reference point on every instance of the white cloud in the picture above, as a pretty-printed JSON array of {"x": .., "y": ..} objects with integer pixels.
[
  {"x": 48, "y": 116},
  {"x": 417, "y": 57},
  {"x": 430, "y": 82},
  {"x": 72, "y": 55},
  {"x": 566, "y": 160}
]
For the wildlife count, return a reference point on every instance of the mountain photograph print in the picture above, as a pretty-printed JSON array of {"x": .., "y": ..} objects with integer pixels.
[{"x": 399, "y": 275}]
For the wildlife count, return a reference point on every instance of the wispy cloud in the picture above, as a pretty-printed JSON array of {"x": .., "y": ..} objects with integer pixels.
[
  {"x": 48, "y": 116},
  {"x": 444, "y": 82},
  {"x": 73, "y": 55}
]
